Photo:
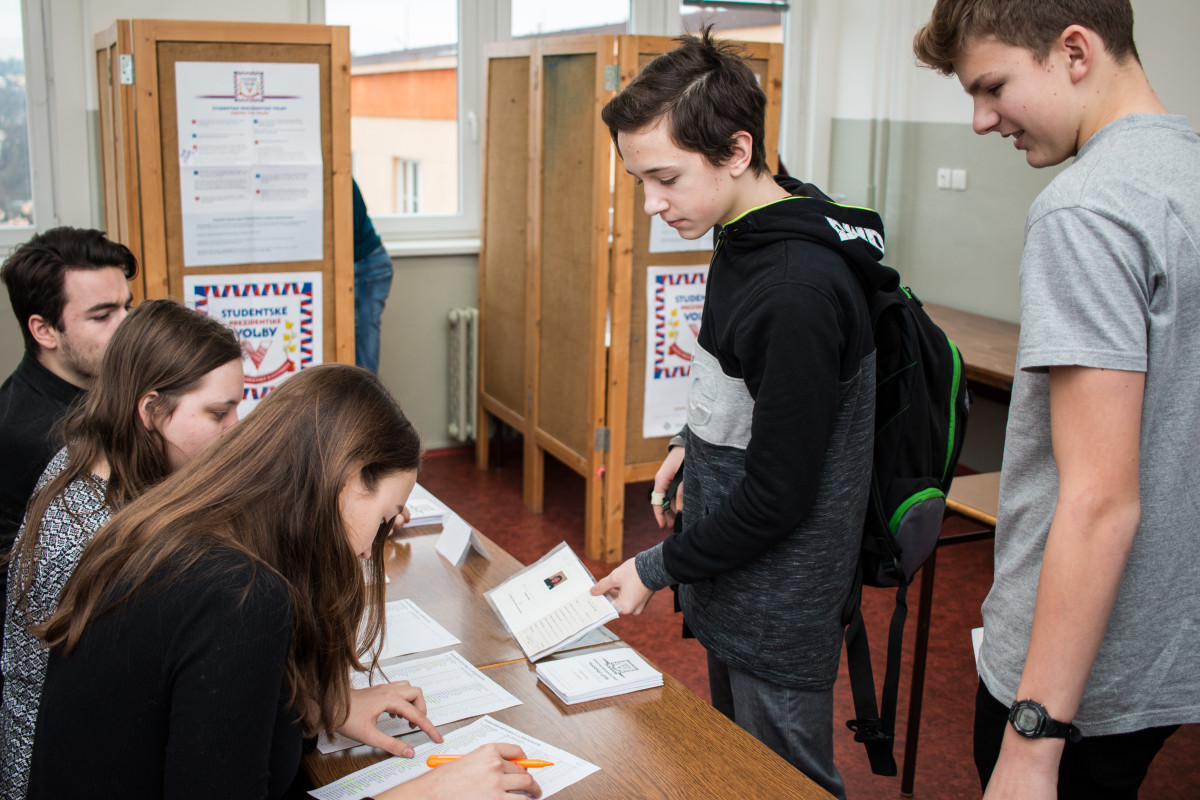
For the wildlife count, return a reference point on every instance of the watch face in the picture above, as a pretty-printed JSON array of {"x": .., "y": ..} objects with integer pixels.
[{"x": 1025, "y": 719}]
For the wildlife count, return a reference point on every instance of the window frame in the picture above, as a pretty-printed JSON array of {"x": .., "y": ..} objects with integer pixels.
[{"x": 38, "y": 101}]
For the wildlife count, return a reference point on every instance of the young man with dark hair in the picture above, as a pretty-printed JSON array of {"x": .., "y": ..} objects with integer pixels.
[
  {"x": 781, "y": 403},
  {"x": 1090, "y": 629},
  {"x": 69, "y": 289}
]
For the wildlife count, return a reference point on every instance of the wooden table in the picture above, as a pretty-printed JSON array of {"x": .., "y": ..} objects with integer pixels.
[
  {"x": 988, "y": 345},
  {"x": 657, "y": 743}
]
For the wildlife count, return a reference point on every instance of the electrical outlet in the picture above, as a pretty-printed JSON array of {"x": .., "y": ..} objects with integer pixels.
[
  {"x": 958, "y": 180},
  {"x": 943, "y": 178}
]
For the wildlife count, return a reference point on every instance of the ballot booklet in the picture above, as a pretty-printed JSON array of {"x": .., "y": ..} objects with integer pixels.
[
  {"x": 424, "y": 508},
  {"x": 598, "y": 673},
  {"x": 548, "y": 605}
]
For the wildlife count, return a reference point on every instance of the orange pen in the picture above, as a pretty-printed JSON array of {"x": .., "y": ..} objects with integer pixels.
[{"x": 528, "y": 763}]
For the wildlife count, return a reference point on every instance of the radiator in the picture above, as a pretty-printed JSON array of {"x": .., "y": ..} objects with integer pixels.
[{"x": 464, "y": 372}]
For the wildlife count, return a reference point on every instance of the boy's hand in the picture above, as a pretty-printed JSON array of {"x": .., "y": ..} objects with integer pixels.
[
  {"x": 1027, "y": 769},
  {"x": 625, "y": 589},
  {"x": 662, "y": 480}
]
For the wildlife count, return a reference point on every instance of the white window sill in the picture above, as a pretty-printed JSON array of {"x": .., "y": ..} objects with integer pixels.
[{"x": 417, "y": 248}]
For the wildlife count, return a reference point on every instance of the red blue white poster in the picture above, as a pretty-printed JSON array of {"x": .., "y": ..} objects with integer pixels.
[
  {"x": 674, "y": 302},
  {"x": 277, "y": 317}
]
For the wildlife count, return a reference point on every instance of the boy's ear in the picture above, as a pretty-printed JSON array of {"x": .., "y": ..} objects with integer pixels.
[
  {"x": 743, "y": 149},
  {"x": 1079, "y": 44},
  {"x": 43, "y": 332}
]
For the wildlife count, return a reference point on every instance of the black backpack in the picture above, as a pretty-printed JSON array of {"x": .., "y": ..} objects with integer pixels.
[{"x": 921, "y": 404}]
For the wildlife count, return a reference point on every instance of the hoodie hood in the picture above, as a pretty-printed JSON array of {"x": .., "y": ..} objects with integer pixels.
[{"x": 855, "y": 233}]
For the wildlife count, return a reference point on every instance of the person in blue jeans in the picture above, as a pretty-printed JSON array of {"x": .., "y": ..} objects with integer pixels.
[{"x": 372, "y": 282}]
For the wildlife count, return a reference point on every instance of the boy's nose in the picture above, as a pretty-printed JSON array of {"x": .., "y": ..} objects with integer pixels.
[
  {"x": 984, "y": 119},
  {"x": 654, "y": 204}
]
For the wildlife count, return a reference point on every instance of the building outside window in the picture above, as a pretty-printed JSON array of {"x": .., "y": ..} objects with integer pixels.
[{"x": 16, "y": 184}]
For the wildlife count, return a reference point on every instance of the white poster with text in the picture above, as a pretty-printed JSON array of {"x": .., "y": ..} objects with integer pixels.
[
  {"x": 674, "y": 302},
  {"x": 250, "y": 164}
]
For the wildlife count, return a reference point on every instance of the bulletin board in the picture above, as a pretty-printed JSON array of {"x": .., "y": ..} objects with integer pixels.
[{"x": 136, "y": 68}]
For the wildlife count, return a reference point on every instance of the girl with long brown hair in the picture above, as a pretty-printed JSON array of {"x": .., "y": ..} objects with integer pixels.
[
  {"x": 214, "y": 623},
  {"x": 169, "y": 383}
]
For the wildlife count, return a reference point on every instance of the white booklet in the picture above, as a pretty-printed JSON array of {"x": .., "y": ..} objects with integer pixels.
[
  {"x": 453, "y": 690},
  {"x": 567, "y": 768},
  {"x": 596, "y": 674},
  {"x": 424, "y": 508},
  {"x": 547, "y": 606}
]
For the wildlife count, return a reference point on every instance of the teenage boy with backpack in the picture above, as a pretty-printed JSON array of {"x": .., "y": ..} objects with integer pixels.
[
  {"x": 1091, "y": 624},
  {"x": 781, "y": 403}
]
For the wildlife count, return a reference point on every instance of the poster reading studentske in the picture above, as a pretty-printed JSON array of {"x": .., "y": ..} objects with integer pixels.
[
  {"x": 277, "y": 317},
  {"x": 674, "y": 301},
  {"x": 251, "y": 177}
]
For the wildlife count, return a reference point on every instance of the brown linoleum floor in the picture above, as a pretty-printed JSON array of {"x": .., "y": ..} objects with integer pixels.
[{"x": 491, "y": 501}]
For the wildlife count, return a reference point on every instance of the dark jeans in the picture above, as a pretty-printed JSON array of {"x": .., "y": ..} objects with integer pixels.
[{"x": 1096, "y": 767}]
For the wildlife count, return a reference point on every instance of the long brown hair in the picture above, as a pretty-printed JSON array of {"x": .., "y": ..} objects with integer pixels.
[
  {"x": 160, "y": 347},
  {"x": 269, "y": 489}
]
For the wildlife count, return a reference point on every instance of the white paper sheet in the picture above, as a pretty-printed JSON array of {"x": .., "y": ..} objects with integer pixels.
[
  {"x": 457, "y": 539},
  {"x": 976, "y": 644},
  {"x": 548, "y": 605},
  {"x": 453, "y": 690},
  {"x": 251, "y": 175},
  {"x": 424, "y": 508},
  {"x": 411, "y": 630},
  {"x": 372, "y": 780}
]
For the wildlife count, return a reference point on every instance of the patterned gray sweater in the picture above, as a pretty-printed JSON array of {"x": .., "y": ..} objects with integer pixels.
[{"x": 69, "y": 524}]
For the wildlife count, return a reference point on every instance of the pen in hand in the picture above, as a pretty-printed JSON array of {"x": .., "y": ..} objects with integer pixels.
[{"x": 528, "y": 763}]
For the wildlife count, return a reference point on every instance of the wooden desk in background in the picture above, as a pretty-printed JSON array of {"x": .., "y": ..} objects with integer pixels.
[{"x": 988, "y": 345}]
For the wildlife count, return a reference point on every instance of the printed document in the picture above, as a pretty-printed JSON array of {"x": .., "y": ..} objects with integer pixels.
[
  {"x": 376, "y": 778},
  {"x": 596, "y": 674},
  {"x": 424, "y": 508},
  {"x": 453, "y": 690},
  {"x": 408, "y": 629},
  {"x": 547, "y": 606}
]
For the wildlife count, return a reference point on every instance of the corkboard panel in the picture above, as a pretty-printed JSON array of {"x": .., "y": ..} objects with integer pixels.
[
  {"x": 506, "y": 199},
  {"x": 170, "y": 52},
  {"x": 568, "y": 143}
]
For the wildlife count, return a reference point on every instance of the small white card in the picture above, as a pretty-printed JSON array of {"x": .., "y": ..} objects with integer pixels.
[
  {"x": 457, "y": 539},
  {"x": 977, "y": 644},
  {"x": 408, "y": 629}
]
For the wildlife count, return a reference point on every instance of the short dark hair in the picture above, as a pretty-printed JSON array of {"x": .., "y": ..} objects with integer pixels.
[
  {"x": 706, "y": 93},
  {"x": 33, "y": 273},
  {"x": 1032, "y": 24}
]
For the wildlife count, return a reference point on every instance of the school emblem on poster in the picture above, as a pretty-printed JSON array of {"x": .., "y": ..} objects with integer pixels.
[
  {"x": 674, "y": 304},
  {"x": 247, "y": 87},
  {"x": 277, "y": 319}
]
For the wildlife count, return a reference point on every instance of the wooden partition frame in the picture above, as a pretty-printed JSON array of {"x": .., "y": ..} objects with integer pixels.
[
  {"x": 550, "y": 279},
  {"x": 142, "y": 203}
]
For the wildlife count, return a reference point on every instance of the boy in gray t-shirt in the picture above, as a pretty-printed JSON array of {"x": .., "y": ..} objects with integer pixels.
[{"x": 1093, "y": 621}]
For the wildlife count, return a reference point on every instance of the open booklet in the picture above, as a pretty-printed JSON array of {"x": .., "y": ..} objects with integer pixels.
[{"x": 548, "y": 606}]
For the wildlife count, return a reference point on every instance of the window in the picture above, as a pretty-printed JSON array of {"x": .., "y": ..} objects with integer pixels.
[
  {"x": 545, "y": 17},
  {"x": 407, "y": 183},
  {"x": 16, "y": 181},
  {"x": 415, "y": 161}
]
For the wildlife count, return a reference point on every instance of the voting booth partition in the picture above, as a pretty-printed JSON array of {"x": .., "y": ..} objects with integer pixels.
[
  {"x": 226, "y": 157},
  {"x": 564, "y": 263}
]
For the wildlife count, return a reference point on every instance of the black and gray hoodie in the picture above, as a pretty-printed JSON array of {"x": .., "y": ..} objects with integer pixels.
[{"x": 779, "y": 438}]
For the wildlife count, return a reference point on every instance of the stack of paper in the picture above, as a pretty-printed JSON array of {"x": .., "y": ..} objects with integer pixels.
[
  {"x": 602, "y": 673},
  {"x": 424, "y": 508},
  {"x": 453, "y": 690},
  {"x": 549, "y": 605}
]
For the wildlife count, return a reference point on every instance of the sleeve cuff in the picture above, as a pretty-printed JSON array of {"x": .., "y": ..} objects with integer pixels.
[{"x": 651, "y": 570}]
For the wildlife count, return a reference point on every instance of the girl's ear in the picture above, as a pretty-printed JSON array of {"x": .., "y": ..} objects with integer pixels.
[{"x": 145, "y": 408}]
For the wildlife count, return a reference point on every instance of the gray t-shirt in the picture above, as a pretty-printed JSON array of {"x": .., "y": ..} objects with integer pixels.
[{"x": 1110, "y": 278}]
